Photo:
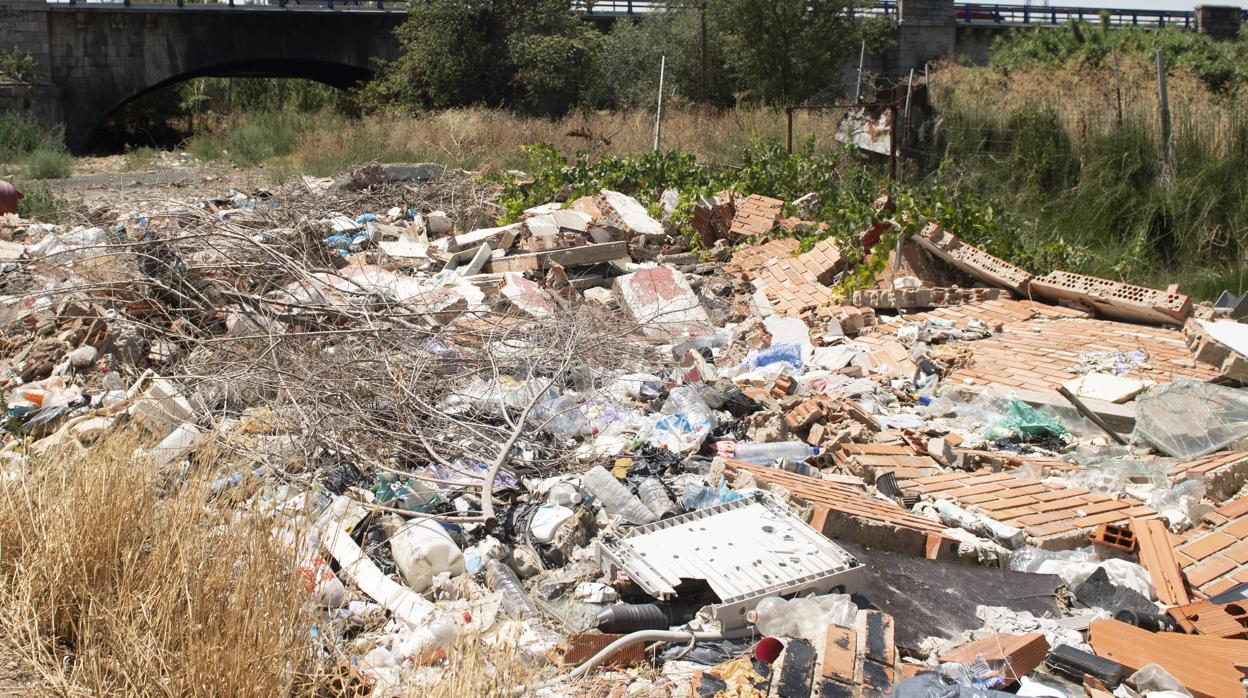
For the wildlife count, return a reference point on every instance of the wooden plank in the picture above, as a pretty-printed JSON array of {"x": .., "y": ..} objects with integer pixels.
[
  {"x": 566, "y": 257},
  {"x": 1157, "y": 557},
  {"x": 1205, "y": 674}
]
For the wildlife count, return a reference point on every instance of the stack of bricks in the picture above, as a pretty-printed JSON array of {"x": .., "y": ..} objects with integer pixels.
[
  {"x": 926, "y": 297},
  {"x": 823, "y": 260},
  {"x": 972, "y": 260},
  {"x": 872, "y": 461},
  {"x": 1216, "y": 558},
  {"x": 1208, "y": 350},
  {"x": 747, "y": 262},
  {"x": 1038, "y": 346},
  {"x": 1053, "y": 517},
  {"x": 845, "y": 512},
  {"x": 1223, "y": 473},
  {"x": 756, "y": 216},
  {"x": 1113, "y": 299}
]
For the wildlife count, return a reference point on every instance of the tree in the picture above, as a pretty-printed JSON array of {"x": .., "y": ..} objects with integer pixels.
[
  {"x": 631, "y": 53},
  {"x": 535, "y": 54},
  {"x": 786, "y": 51}
]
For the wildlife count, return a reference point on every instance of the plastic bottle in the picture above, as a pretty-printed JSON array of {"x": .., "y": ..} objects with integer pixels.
[
  {"x": 547, "y": 520},
  {"x": 686, "y": 401},
  {"x": 421, "y": 549},
  {"x": 627, "y": 618},
  {"x": 564, "y": 494},
  {"x": 686, "y": 423},
  {"x": 615, "y": 497},
  {"x": 654, "y": 495},
  {"x": 807, "y": 617},
  {"x": 561, "y": 416},
  {"x": 767, "y": 453},
  {"x": 499, "y": 577}
]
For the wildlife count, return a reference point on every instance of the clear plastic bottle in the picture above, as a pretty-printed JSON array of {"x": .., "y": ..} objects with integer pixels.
[
  {"x": 807, "y": 617},
  {"x": 499, "y": 577},
  {"x": 564, "y": 494},
  {"x": 615, "y": 497},
  {"x": 767, "y": 453},
  {"x": 654, "y": 495}
]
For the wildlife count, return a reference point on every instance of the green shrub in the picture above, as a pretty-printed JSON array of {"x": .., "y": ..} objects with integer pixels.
[
  {"x": 256, "y": 139},
  {"x": 49, "y": 164},
  {"x": 21, "y": 135},
  {"x": 40, "y": 203}
]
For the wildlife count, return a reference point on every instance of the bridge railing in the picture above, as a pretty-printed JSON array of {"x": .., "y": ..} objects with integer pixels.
[
  {"x": 964, "y": 13},
  {"x": 976, "y": 13}
]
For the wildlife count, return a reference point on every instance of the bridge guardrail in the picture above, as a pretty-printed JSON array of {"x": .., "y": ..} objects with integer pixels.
[{"x": 964, "y": 13}]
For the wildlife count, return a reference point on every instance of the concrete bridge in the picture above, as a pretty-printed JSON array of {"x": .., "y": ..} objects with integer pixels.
[{"x": 95, "y": 56}]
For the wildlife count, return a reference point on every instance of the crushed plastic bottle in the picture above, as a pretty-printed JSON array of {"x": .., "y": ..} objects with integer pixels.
[
  {"x": 768, "y": 453},
  {"x": 615, "y": 497},
  {"x": 501, "y": 578},
  {"x": 807, "y": 617},
  {"x": 654, "y": 495}
]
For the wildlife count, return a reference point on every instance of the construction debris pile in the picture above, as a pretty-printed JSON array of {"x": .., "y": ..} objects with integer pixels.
[{"x": 655, "y": 471}]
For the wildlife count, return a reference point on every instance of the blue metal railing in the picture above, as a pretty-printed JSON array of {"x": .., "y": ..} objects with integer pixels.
[{"x": 964, "y": 13}]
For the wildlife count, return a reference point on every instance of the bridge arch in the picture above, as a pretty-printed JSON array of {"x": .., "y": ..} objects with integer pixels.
[{"x": 107, "y": 57}]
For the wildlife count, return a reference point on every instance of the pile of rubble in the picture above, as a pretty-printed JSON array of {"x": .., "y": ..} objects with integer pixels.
[{"x": 664, "y": 472}]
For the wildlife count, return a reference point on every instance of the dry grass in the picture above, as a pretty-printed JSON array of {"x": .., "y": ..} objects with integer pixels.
[
  {"x": 117, "y": 581},
  {"x": 477, "y": 138},
  {"x": 1085, "y": 100}
]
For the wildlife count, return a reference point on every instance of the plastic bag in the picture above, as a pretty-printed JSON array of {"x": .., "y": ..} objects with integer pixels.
[
  {"x": 1187, "y": 419},
  {"x": 1023, "y": 419},
  {"x": 787, "y": 353}
]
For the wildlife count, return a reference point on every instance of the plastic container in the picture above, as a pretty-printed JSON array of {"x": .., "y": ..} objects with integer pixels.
[
  {"x": 421, "y": 549},
  {"x": 615, "y": 497},
  {"x": 627, "y": 618},
  {"x": 767, "y": 453},
  {"x": 546, "y": 521},
  {"x": 501, "y": 578},
  {"x": 564, "y": 494},
  {"x": 807, "y": 617},
  {"x": 654, "y": 495}
]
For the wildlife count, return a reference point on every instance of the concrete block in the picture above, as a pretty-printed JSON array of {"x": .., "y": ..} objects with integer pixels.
[
  {"x": 526, "y": 296},
  {"x": 1114, "y": 300},
  {"x": 662, "y": 302}
]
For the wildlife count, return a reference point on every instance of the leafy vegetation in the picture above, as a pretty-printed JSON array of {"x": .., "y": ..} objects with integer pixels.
[
  {"x": 17, "y": 65},
  {"x": 21, "y": 135},
  {"x": 40, "y": 203},
  {"x": 49, "y": 164},
  {"x": 1220, "y": 64}
]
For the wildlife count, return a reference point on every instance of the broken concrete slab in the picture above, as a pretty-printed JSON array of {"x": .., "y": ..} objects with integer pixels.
[
  {"x": 1105, "y": 387},
  {"x": 626, "y": 213},
  {"x": 1222, "y": 344},
  {"x": 1114, "y": 299},
  {"x": 662, "y": 302},
  {"x": 526, "y": 296}
]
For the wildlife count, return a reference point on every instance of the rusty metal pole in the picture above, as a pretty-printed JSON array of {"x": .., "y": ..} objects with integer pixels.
[{"x": 788, "y": 129}]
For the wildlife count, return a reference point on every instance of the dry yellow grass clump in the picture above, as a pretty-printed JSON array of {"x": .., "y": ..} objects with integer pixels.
[
  {"x": 118, "y": 580},
  {"x": 479, "y": 137}
]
